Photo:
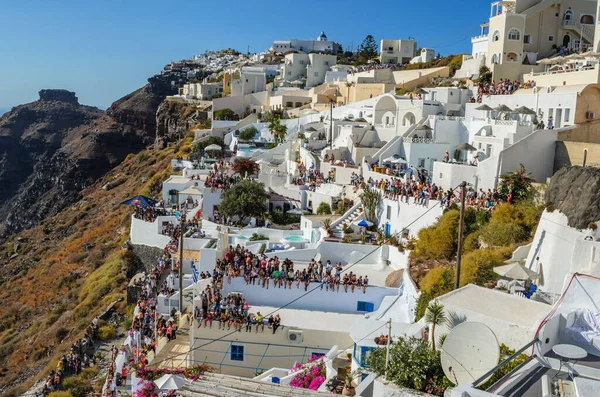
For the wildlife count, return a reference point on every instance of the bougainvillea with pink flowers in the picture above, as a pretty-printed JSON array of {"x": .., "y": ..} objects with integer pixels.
[
  {"x": 192, "y": 373},
  {"x": 312, "y": 377}
]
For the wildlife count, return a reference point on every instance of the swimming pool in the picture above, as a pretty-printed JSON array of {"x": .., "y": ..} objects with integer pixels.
[{"x": 295, "y": 238}]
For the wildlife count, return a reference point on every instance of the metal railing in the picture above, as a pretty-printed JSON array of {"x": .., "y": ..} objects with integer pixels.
[{"x": 510, "y": 358}]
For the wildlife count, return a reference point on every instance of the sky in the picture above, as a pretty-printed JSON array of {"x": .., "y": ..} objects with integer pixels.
[{"x": 104, "y": 49}]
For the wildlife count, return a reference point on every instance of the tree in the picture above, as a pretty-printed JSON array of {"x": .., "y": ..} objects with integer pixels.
[
  {"x": 368, "y": 48},
  {"x": 435, "y": 316},
  {"x": 278, "y": 130},
  {"x": 224, "y": 114},
  {"x": 248, "y": 134},
  {"x": 246, "y": 199},
  {"x": 370, "y": 201},
  {"x": 245, "y": 166},
  {"x": 519, "y": 183},
  {"x": 324, "y": 209},
  {"x": 485, "y": 75}
]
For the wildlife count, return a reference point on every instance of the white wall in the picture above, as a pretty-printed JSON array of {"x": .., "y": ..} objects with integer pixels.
[
  {"x": 552, "y": 250},
  {"x": 147, "y": 233},
  {"x": 403, "y": 215},
  {"x": 339, "y": 302},
  {"x": 449, "y": 176}
]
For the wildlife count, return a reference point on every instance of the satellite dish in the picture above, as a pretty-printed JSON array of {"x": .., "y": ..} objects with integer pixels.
[{"x": 470, "y": 350}]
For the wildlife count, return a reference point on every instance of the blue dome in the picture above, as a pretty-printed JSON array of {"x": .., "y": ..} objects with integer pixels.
[{"x": 322, "y": 37}]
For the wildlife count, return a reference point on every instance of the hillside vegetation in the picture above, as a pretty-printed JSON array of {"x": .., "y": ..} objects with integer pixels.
[{"x": 56, "y": 277}]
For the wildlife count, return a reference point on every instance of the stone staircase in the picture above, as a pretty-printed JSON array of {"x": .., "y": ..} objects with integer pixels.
[{"x": 584, "y": 31}]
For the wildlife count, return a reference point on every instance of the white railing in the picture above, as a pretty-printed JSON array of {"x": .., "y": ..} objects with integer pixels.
[
  {"x": 437, "y": 117},
  {"x": 563, "y": 71},
  {"x": 410, "y": 139}
]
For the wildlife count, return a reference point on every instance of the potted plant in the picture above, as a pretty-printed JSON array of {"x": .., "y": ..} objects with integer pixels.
[{"x": 348, "y": 389}]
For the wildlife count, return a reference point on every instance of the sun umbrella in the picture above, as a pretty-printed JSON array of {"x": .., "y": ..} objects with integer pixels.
[
  {"x": 423, "y": 127},
  {"x": 213, "y": 147},
  {"x": 465, "y": 146},
  {"x": 295, "y": 211},
  {"x": 516, "y": 271},
  {"x": 484, "y": 107},
  {"x": 140, "y": 200},
  {"x": 575, "y": 56},
  {"x": 545, "y": 61},
  {"x": 523, "y": 110},
  {"x": 170, "y": 382},
  {"x": 421, "y": 91},
  {"x": 502, "y": 108},
  {"x": 364, "y": 223}
]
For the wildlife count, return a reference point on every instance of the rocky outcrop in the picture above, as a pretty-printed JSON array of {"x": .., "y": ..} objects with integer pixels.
[
  {"x": 575, "y": 191},
  {"x": 59, "y": 96},
  {"x": 174, "y": 120},
  {"x": 50, "y": 150}
]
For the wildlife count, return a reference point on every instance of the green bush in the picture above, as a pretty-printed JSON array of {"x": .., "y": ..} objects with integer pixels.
[
  {"x": 76, "y": 386},
  {"x": 283, "y": 219},
  {"x": 258, "y": 237},
  {"x": 438, "y": 281},
  {"x": 324, "y": 209},
  {"x": 439, "y": 241},
  {"x": 224, "y": 114},
  {"x": 477, "y": 266},
  {"x": 505, "y": 352},
  {"x": 413, "y": 364},
  {"x": 107, "y": 332},
  {"x": 61, "y": 334},
  {"x": 503, "y": 234},
  {"x": 248, "y": 134}
]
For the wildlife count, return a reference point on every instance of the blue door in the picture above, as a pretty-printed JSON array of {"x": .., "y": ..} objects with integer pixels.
[{"x": 388, "y": 229}]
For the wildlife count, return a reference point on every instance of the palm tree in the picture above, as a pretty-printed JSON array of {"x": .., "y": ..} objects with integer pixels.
[
  {"x": 348, "y": 85},
  {"x": 278, "y": 130},
  {"x": 435, "y": 316}
]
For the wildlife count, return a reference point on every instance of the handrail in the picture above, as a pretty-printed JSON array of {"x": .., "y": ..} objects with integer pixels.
[{"x": 484, "y": 377}]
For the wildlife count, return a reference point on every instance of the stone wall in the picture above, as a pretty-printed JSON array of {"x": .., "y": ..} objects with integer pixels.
[{"x": 147, "y": 255}]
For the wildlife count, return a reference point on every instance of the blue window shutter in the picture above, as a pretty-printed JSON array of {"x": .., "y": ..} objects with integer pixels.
[{"x": 369, "y": 307}]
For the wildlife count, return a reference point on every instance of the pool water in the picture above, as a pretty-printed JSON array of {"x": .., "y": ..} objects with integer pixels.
[
  {"x": 294, "y": 238},
  {"x": 241, "y": 237}
]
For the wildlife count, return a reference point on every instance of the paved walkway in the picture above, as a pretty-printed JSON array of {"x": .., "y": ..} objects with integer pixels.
[{"x": 175, "y": 352}]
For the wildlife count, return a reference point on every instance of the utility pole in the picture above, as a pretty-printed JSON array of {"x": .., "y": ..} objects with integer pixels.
[
  {"x": 387, "y": 347},
  {"x": 461, "y": 225},
  {"x": 182, "y": 215},
  {"x": 330, "y": 124}
]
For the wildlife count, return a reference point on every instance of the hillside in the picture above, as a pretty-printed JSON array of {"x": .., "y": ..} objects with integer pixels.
[
  {"x": 53, "y": 148},
  {"x": 55, "y": 277}
]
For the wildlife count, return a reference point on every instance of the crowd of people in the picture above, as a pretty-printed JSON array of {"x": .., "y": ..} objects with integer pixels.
[
  {"x": 373, "y": 66},
  {"x": 502, "y": 87},
  {"x": 265, "y": 272},
  {"x": 219, "y": 177},
  {"x": 149, "y": 214},
  {"x": 80, "y": 356},
  {"x": 313, "y": 179}
]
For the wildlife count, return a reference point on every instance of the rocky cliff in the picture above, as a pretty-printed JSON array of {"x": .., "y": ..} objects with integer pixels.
[
  {"x": 574, "y": 191},
  {"x": 53, "y": 148},
  {"x": 138, "y": 109},
  {"x": 174, "y": 120}
]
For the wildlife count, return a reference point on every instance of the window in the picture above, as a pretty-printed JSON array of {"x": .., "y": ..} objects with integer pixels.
[
  {"x": 316, "y": 355},
  {"x": 421, "y": 163},
  {"x": 567, "y": 114},
  {"x": 363, "y": 307},
  {"x": 512, "y": 57},
  {"x": 514, "y": 34},
  {"x": 388, "y": 212},
  {"x": 550, "y": 38},
  {"x": 587, "y": 20},
  {"x": 496, "y": 35},
  {"x": 365, "y": 351},
  {"x": 441, "y": 175},
  {"x": 526, "y": 39},
  {"x": 316, "y": 74},
  {"x": 289, "y": 73},
  {"x": 237, "y": 353},
  {"x": 326, "y": 63}
]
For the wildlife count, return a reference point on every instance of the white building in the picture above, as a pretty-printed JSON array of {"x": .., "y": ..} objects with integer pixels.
[
  {"x": 307, "y": 70},
  {"x": 397, "y": 51},
  {"x": 204, "y": 90},
  {"x": 426, "y": 55},
  {"x": 321, "y": 44},
  {"x": 252, "y": 80}
]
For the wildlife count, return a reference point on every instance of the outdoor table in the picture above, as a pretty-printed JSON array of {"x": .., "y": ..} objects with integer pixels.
[{"x": 568, "y": 354}]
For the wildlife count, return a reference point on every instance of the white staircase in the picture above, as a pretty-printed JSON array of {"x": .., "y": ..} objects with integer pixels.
[
  {"x": 350, "y": 216},
  {"x": 586, "y": 32}
]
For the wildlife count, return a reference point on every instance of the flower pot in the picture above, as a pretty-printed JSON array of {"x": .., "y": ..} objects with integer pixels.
[{"x": 348, "y": 392}]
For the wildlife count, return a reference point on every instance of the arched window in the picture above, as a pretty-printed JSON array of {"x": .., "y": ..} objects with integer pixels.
[
  {"x": 514, "y": 34},
  {"x": 587, "y": 20},
  {"x": 568, "y": 17},
  {"x": 495, "y": 58},
  {"x": 512, "y": 57},
  {"x": 496, "y": 35}
]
